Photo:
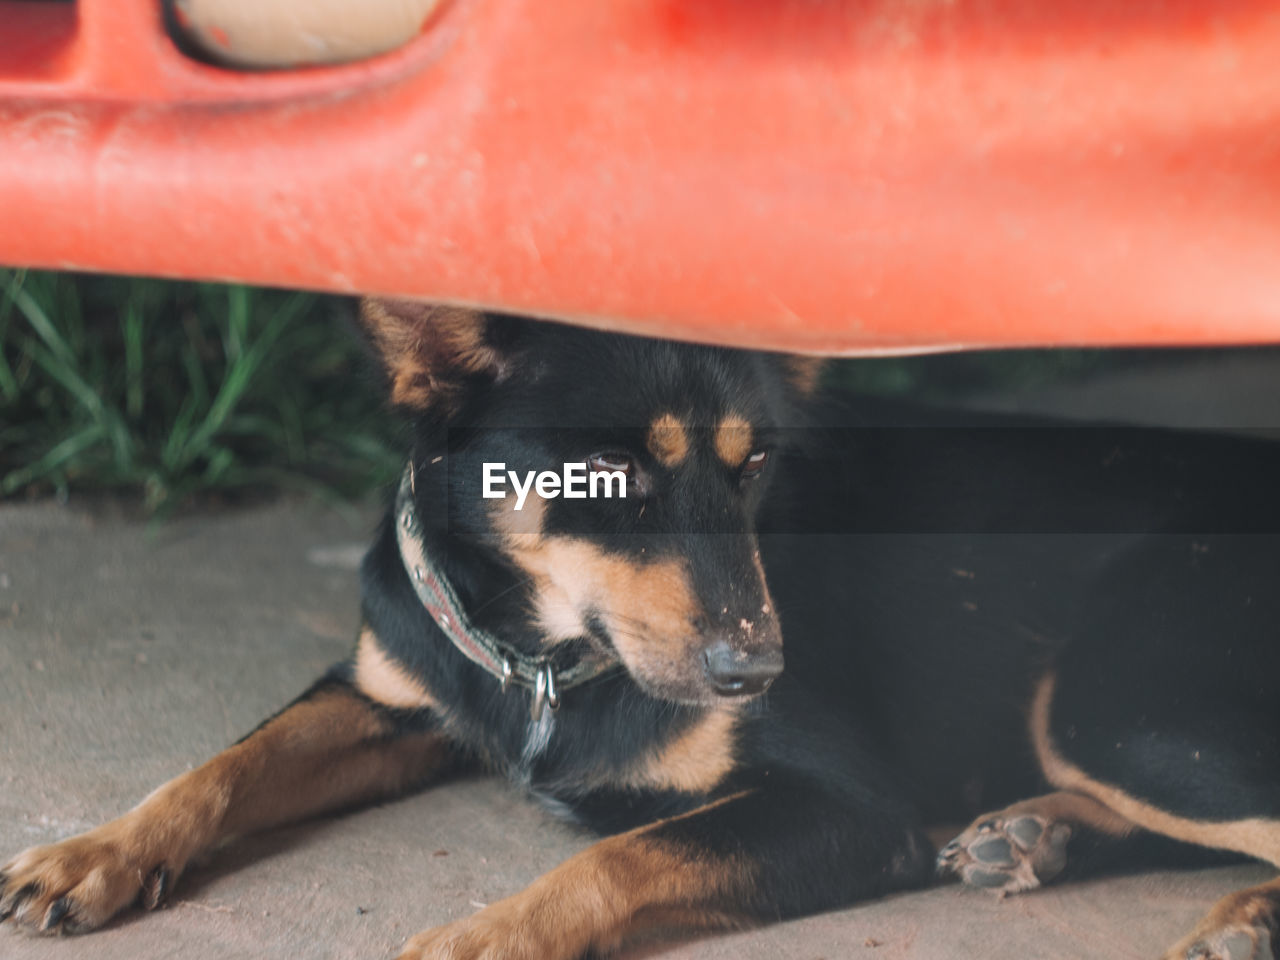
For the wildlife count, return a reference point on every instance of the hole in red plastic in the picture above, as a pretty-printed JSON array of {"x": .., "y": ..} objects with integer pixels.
[{"x": 36, "y": 39}]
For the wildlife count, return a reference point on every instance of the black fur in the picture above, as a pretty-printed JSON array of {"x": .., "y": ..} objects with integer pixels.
[{"x": 927, "y": 569}]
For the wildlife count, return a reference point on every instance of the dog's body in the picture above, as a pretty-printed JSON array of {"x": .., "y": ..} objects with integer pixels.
[{"x": 970, "y": 621}]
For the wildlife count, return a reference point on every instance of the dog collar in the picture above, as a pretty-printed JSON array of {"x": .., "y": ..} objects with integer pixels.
[{"x": 482, "y": 648}]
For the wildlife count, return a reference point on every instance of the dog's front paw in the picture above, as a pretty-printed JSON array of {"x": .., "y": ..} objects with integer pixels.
[
  {"x": 1236, "y": 942},
  {"x": 1007, "y": 854},
  {"x": 80, "y": 883},
  {"x": 492, "y": 934},
  {"x": 488, "y": 935},
  {"x": 507, "y": 930}
]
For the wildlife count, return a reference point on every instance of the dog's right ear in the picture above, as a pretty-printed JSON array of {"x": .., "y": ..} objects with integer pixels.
[
  {"x": 804, "y": 373},
  {"x": 430, "y": 352}
]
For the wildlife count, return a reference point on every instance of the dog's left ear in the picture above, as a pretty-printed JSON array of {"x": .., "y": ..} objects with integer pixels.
[
  {"x": 804, "y": 373},
  {"x": 430, "y": 352}
]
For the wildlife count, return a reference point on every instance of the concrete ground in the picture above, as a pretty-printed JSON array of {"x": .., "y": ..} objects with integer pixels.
[{"x": 127, "y": 658}]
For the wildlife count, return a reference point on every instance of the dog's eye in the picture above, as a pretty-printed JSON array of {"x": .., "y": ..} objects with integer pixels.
[
  {"x": 611, "y": 463},
  {"x": 754, "y": 464}
]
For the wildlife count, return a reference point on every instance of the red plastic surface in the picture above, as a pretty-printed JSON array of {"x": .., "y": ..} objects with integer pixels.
[{"x": 827, "y": 176}]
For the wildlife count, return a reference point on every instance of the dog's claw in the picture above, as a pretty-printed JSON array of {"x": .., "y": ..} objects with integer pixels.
[
  {"x": 57, "y": 912},
  {"x": 155, "y": 888},
  {"x": 14, "y": 901}
]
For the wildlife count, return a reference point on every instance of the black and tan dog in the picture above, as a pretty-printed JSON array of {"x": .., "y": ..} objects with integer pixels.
[{"x": 972, "y": 617}]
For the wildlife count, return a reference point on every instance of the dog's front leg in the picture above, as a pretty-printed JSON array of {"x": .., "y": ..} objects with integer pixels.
[
  {"x": 784, "y": 849},
  {"x": 331, "y": 748}
]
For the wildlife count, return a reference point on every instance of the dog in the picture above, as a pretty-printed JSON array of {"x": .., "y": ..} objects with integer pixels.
[{"x": 1065, "y": 636}]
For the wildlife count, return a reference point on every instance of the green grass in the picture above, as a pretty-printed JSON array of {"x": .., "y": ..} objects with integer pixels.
[{"x": 174, "y": 391}]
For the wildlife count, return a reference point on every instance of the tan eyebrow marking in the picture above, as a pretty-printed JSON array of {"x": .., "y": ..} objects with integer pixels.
[
  {"x": 734, "y": 438},
  {"x": 668, "y": 440}
]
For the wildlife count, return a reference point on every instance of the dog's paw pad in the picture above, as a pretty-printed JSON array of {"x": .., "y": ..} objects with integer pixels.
[
  {"x": 993, "y": 851},
  {"x": 1007, "y": 854},
  {"x": 1025, "y": 831},
  {"x": 1232, "y": 943}
]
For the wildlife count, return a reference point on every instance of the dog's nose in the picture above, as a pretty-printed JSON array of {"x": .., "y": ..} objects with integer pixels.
[{"x": 739, "y": 673}]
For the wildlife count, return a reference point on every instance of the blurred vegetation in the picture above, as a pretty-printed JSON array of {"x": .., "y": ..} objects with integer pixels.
[
  {"x": 180, "y": 393},
  {"x": 174, "y": 392},
  {"x": 940, "y": 377}
]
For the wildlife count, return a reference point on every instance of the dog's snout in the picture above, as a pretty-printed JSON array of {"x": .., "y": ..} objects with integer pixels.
[{"x": 734, "y": 672}]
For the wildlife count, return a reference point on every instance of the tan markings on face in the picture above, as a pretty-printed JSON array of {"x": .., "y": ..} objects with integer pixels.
[
  {"x": 647, "y": 608},
  {"x": 525, "y": 523},
  {"x": 554, "y": 608},
  {"x": 1256, "y": 836},
  {"x": 804, "y": 373},
  {"x": 733, "y": 440},
  {"x": 696, "y": 761},
  {"x": 668, "y": 440},
  {"x": 382, "y": 679},
  {"x": 596, "y": 900},
  {"x": 766, "y": 605}
]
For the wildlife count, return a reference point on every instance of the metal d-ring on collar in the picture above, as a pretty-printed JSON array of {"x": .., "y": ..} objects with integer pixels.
[{"x": 507, "y": 665}]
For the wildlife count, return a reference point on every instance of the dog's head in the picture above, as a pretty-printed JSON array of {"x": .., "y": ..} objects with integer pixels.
[{"x": 661, "y": 567}]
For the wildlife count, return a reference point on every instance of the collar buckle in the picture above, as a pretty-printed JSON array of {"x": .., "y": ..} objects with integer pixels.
[{"x": 544, "y": 691}]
